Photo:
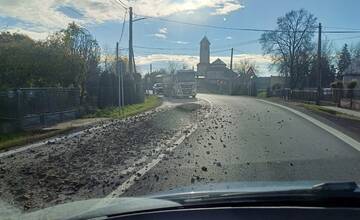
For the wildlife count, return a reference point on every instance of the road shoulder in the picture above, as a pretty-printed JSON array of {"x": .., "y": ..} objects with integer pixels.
[
  {"x": 96, "y": 162},
  {"x": 23, "y": 139},
  {"x": 348, "y": 125}
]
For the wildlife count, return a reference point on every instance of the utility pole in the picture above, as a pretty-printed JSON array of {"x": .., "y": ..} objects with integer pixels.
[
  {"x": 150, "y": 67},
  {"x": 130, "y": 41},
  {"x": 319, "y": 66},
  {"x": 122, "y": 72},
  {"x": 231, "y": 59},
  {"x": 118, "y": 72}
]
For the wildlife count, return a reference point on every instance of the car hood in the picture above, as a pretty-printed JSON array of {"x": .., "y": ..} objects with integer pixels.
[
  {"x": 240, "y": 187},
  {"x": 93, "y": 208},
  {"x": 110, "y": 206}
]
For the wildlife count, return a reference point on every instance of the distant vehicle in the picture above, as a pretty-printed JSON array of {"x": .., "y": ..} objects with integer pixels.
[
  {"x": 158, "y": 88},
  {"x": 327, "y": 91},
  {"x": 181, "y": 85}
]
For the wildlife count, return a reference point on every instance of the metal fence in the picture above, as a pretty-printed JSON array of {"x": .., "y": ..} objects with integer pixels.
[
  {"x": 331, "y": 95},
  {"x": 106, "y": 93},
  {"x": 39, "y": 106},
  {"x": 307, "y": 95}
]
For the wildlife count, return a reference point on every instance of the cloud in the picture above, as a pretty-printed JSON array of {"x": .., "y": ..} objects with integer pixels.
[
  {"x": 262, "y": 61},
  {"x": 161, "y": 33},
  {"x": 181, "y": 42},
  {"x": 51, "y": 15},
  {"x": 70, "y": 12},
  {"x": 147, "y": 59},
  {"x": 33, "y": 34},
  {"x": 161, "y": 8},
  {"x": 163, "y": 30},
  {"x": 228, "y": 38},
  {"x": 47, "y": 16},
  {"x": 227, "y": 7},
  {"x": 158, "y": 35}
]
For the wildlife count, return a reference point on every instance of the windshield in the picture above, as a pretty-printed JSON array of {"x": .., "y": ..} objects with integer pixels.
[
  {"x": 185, "y": 76},
  {"x": 93, "y": 102}
]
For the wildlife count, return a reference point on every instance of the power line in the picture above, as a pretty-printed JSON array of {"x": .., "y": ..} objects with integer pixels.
[
  {"x": 240, "y": 51},
  {"x": 163, "y": 48},
  {"x": 219, "y": 51},
  {"x": 122, "y": 4},
  {"x": 205, "y": 25},
  {"x": 341, "y": 32},
  {"x": 167, "y": 53},
  {"x": 246, "y": 42},
  {"x": 241, "y": 43},
  {"x": 345, "y": 38},
  {"x": 171, "y": 49},
  {"x": 170, "y": 52},
  {"x": 243, "y": 29},
  {"x": 75, "y": 11},
  {"x": 343, "y": 28},
  {"x": 123, "y": 27}
]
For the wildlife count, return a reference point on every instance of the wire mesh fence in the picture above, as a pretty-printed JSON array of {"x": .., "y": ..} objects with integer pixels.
[
  {"x": 330, "y": 95},
  {"x": 30, "y": 101},
  {"x": 31, "y": 107},
  {"x": 34, "y": 107}
]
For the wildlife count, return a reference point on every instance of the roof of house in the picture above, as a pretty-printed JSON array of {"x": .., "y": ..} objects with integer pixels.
[
  {"x": 232, "y": 73},
  {"x": 225, "y": 74},
  {"x": 218, "y": 62},
  {"x": 251, "y": 71}
]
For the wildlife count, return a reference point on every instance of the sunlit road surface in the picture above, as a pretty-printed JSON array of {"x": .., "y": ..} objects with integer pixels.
[
  {"x": 244, "y": 139},
  {"x": 213, "y": 139}
]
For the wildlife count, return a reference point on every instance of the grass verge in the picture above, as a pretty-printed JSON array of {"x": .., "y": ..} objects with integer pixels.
[
  {"x": 25, "y": 137},
  {"x": 129, "y": 110},
  {"x": 261, "y": 94},
  {"x": 321, "y": 109}
]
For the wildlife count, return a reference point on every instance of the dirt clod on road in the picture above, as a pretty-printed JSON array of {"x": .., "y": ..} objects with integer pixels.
[{"x": 94, "y": 163}]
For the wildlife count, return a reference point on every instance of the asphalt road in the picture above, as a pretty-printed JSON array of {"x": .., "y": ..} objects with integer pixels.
[
  {"x": 184, "y": 142},
  {"x": 244, "y": 139}
]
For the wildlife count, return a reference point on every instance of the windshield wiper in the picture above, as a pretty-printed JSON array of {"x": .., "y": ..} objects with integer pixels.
[
  {"x": 327, "y": 190},
  {"x": 335, "y": 187}
]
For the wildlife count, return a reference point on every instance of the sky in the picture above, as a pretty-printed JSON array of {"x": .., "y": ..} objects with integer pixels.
[{"x": 158, "y": 42}]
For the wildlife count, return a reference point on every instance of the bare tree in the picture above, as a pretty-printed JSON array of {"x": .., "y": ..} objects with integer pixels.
[
  {"x": 355, "y": 51},
  {"x": 290, "y": 44},
  {"x": 344, "y": 61},
  {"x": 244, "y": 65},
  {"x": 172, "y": 67}
]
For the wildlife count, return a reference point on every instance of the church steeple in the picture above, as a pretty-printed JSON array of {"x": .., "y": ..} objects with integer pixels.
[
  {"x": 204, "y": 51},
  {"x": 204, "y": 56},
  {"x": 205, "y": 41}
]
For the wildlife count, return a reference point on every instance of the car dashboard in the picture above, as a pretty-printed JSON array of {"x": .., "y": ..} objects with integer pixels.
[{"x": 248, "y": 213}]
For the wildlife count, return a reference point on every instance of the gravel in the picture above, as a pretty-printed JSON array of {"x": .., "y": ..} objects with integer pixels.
[{"x": 92, "y": 164}]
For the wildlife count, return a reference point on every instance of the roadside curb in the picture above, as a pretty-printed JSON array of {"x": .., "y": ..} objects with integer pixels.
[{"x": 347, "y": 114}]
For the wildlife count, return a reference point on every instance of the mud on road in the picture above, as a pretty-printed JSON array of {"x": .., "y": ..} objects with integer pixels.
[{"x": 94, "y": 163}]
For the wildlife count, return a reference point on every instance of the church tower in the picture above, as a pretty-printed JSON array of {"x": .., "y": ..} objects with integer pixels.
[{"x": 204, "y": 56}]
